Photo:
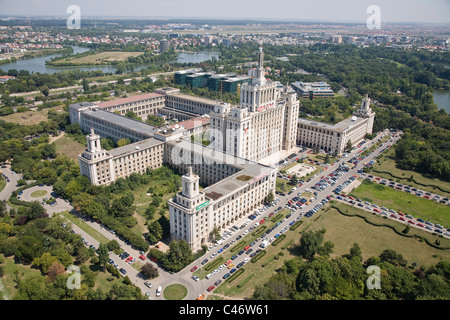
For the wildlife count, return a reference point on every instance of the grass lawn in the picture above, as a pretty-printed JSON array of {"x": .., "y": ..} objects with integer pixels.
[
  {"x": 38, "y": 193},
  {"x": 408, "y": 203},
  {"x": 283, "y": 185},
  {"x": 9, "y": 279},
  {"x": 374, "y": 239},
  {"x": 68, "y": 146},
  {"x": 85, "y": 227},
  {"x": 30, "y": 117},
  {"x": 2, "y": 183},
  {"x": 386, "y": 162},
  {"x": 102, "y": 58},
  {"x": 175, "y": 292}
]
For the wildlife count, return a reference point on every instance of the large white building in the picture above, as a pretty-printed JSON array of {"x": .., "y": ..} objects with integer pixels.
[
  {"x": 334, "y": 137},
  {"x": 231, "y": 168},
  {"x": 264, "y": 123}
]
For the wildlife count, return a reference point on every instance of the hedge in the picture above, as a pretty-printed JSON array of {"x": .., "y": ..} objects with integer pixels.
[
  {"x": 235, "y": 275},
  {"x": 279, "y": 239},
  {"x": 258, "y": 256}
]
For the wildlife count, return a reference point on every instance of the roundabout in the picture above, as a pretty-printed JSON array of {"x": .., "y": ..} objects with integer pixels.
[{"x": 175, "y": 291}]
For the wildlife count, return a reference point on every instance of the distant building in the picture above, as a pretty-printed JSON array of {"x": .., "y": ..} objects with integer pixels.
[
  {"x": 311, "y": 90},
  {"x": 6, "y": 78},
  {"x": 163, "y": 45}
]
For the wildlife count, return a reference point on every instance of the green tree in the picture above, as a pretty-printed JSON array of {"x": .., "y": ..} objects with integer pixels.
[
  {"x": 310, "y": 243},
  {"x": 155, "y": 232},
  {"x": 45, "y": 261},
  {"x": 103, "y": 254}
]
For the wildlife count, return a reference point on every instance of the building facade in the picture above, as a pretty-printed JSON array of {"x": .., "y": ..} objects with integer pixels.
[
  {"x": 264, "y": 123},
  {"x": 334, "y": 138}
]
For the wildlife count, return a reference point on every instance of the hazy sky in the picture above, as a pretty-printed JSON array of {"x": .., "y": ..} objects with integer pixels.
[{"x": 325, "y": 10}]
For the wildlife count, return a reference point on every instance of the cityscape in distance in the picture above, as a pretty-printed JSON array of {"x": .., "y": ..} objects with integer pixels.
[{"x": 238, "y": 153}]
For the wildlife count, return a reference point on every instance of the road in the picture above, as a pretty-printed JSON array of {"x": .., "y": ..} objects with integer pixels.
[{"x": 11, "y": 185}]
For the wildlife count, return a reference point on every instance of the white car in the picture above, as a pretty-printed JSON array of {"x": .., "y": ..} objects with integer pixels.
[{"x": 158, "y": 291}]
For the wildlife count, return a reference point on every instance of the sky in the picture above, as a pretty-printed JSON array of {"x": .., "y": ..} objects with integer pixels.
[{"x": 437, "y": 11}]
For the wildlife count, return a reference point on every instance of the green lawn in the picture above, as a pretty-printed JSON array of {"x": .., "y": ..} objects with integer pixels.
[
  {"x": 408, "y": 203},
  {"x": 175, "y": 292},
  {"x": 374, "y": 239},
  {"x": 2, "y": 183},
  {"x": 85, "y": 227},
  {"x": 38, "y": 193}
]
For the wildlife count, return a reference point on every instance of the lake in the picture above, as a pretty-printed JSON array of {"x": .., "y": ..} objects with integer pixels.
[
  {"x": 38, "y": 64},
  {"x": 442, "y": 99}
]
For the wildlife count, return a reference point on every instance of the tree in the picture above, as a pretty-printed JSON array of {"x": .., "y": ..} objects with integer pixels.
[
  {"x": 179, "y": 255},
  {"x": 36, "y": 210},
  {"x": 45, "y": 91},
  {"x": 85, "y": 85},
  {"x": 55, "y": 270},
  {"x": 310, "y": 243},
  {"x": 45, "y": 262},
  {"x": 123, "y": 142},
  {"x": 269, "y": 198},
  {"x": 103, "y": 254},
  {"x": 149, "y": 271},
  {"x": 349, "y": 146},
  {"x": 155, "y": 232},
  {"x": 355, "y": 251},
  {"x": 215, "y": 234}
]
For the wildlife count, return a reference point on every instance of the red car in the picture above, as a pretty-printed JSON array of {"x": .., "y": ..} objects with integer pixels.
[
  {"x": 401, "y": 214},
  {"x": 410, "y": 221},
  {"x": 141, "y": 257},
  {"x": 129, "y": 259},
  {"x": 401, "y": 218},
  {"x": 393, "y": 216},
  {"x": 420, "y": 225},
  {"x": 211, "y": 288},
  {"x": 262, "y": 221},
  {"x": 376, "y": 210},
  {"x": 246, "y": 248},
  {"x": 194, "y": 268}
]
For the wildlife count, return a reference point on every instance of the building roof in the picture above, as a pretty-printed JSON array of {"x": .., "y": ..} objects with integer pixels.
[
  {"x": 339, "y": 127},
  {"x": 127, "y": 100},
  {"x": 248, "y": 171},
  {"x": 122, "y": 121},
  {"x": 134, "y": 147},
  {"x": 81, "y": 105}
]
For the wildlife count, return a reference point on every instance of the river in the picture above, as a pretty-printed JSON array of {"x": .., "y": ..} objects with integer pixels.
[
  {"x": 442, "y": 99},
  {"x": 38, "y": 64}
]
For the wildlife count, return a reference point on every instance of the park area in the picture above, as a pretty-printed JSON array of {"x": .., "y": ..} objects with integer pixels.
[{"x": 102, "y": 58}]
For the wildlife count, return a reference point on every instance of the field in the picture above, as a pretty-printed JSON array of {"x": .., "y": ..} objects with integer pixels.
[
  {"x": 374, "y": 239},
  {"x": 29, "y": 117},
  {"x": 386, "y": 163},
  {"x": 102, "y": 58},
  {"x": 407, "y": 203},
  {"x": 68, "y": 146},
  {"x": 343, "y": 232}
]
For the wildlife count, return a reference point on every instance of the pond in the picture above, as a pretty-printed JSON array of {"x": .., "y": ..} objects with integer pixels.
[{"x": 442, "y": 99}]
